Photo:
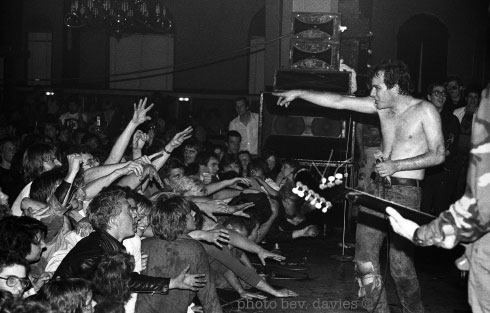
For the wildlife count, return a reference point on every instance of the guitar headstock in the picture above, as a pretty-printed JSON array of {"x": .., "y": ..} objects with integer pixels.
[{"x": 311, "y": 196}]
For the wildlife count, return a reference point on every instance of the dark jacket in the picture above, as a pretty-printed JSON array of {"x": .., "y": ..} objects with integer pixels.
[{"x": 83, "y": 259}]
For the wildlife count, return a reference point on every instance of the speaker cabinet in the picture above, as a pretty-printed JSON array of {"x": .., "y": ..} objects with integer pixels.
[
  {"x": 315, "y": 41},
  {"x": 304, "y": 131},
  {"x": 313, "y": 79}
]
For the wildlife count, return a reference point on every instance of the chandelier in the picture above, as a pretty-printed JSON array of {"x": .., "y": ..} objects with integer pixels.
[{"x": 120, "y": 17}]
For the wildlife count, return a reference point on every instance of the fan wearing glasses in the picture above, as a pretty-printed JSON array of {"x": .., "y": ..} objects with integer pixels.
[
  {"x": 455, "y": 91},
  {"x": 13, "y": 273},
  {"x": 440, "y": 181}
]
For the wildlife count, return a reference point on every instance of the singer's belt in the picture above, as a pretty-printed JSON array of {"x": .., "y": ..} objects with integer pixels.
[{"x": 405, "y": 181}]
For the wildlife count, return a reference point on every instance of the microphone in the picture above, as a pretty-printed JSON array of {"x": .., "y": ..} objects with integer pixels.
[{"x": 378, "y": 155}]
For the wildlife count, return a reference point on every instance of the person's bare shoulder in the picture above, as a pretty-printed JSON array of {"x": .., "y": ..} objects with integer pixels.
[{"x": 423, "y": 107}]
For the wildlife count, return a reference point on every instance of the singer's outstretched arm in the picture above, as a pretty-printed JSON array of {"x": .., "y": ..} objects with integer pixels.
[{"x": 328, "y": 100}]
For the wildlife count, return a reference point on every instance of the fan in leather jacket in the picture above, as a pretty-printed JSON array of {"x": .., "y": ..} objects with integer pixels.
[{"x": 82, "y": 261}]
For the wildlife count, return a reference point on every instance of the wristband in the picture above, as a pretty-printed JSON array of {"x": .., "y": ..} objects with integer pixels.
[{"x": 166, "y": 151}]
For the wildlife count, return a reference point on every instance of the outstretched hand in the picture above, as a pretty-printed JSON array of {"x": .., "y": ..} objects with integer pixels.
[
  {"x": 252, "y": 295},
  {"x": 187, "y": 281},
  {"x": 218, "y": 236},
  {"x": 286, "y": 97},
  {"x": 239, "y": 180},
  {"x": 239, "y": 208},
  {"x": 131, "y": 167},
  {"x": 179, "y": 138},
  {"x": 140, "y": 110},
  {"x": 285, "y": 293},
  {"x": 264, "y": 254}
]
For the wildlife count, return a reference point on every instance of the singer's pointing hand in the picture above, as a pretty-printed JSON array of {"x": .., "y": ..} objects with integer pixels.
[
  {"x": 386, "y": 168},
  {"x": 286, "y": 97}
]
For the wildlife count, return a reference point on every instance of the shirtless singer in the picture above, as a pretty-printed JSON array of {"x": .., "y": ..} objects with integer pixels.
[{"x": 412, "y": 141}]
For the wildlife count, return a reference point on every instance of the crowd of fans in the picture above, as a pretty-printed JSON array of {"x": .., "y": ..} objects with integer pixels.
[{"x": 150, "y": 219}]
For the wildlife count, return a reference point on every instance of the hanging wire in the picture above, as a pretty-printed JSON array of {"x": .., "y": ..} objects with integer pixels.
[{"x": 176, "y": 68}]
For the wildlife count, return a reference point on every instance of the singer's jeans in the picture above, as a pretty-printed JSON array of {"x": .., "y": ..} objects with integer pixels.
[{"x": 372, "y": 228}]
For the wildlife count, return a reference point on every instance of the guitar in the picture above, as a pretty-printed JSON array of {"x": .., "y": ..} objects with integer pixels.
[{"x": 361, "y": 198}]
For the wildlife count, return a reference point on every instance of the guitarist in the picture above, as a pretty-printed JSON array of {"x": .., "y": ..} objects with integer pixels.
[
  {"x": 468, "y": 219},
  {"x": 412, "y": 141}
]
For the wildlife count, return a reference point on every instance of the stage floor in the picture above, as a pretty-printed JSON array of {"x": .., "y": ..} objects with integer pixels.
[{"x": 331, "y": 284}]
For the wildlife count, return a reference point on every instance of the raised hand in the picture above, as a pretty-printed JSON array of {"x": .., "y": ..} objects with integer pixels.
[
  {"x": 74, "y": 161},
  {"x": 179, "y": 138},
  {"x": 140, "y": 110},
  {"x": 139, "y": 139},
  {"x": 286, "y": 97},
  {"x": 264, "y": 254},
  {"x": 187, "y": 281}
]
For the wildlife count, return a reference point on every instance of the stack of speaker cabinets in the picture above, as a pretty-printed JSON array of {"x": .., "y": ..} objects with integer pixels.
[
  {"x": 304, "y": 131},
  {"x": 315, "y": 41}
]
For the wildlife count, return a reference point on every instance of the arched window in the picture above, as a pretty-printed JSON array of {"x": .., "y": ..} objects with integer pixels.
[
  {"x": 257, "y": 53},
  {"x": 39, "y": 45},
  {"x": 423, "y": 44}
]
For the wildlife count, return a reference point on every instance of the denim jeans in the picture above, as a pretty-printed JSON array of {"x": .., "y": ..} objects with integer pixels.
[{"x": 372, "y": 229}]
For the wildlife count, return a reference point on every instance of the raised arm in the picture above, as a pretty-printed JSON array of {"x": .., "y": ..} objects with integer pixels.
[
  {"x": 266, "y": 226},
  {"x": 139, "y": 140},
  {"x": 139, "y": 117},
  {"x": 246, "y": 244},
  {"x": 161, "y": 157},
  {"x": 328, "y": 100},
  {"x": 100, "y": 171},
  {"x": 214, "y": 187},
  {"x": 95, "y": 186}
]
